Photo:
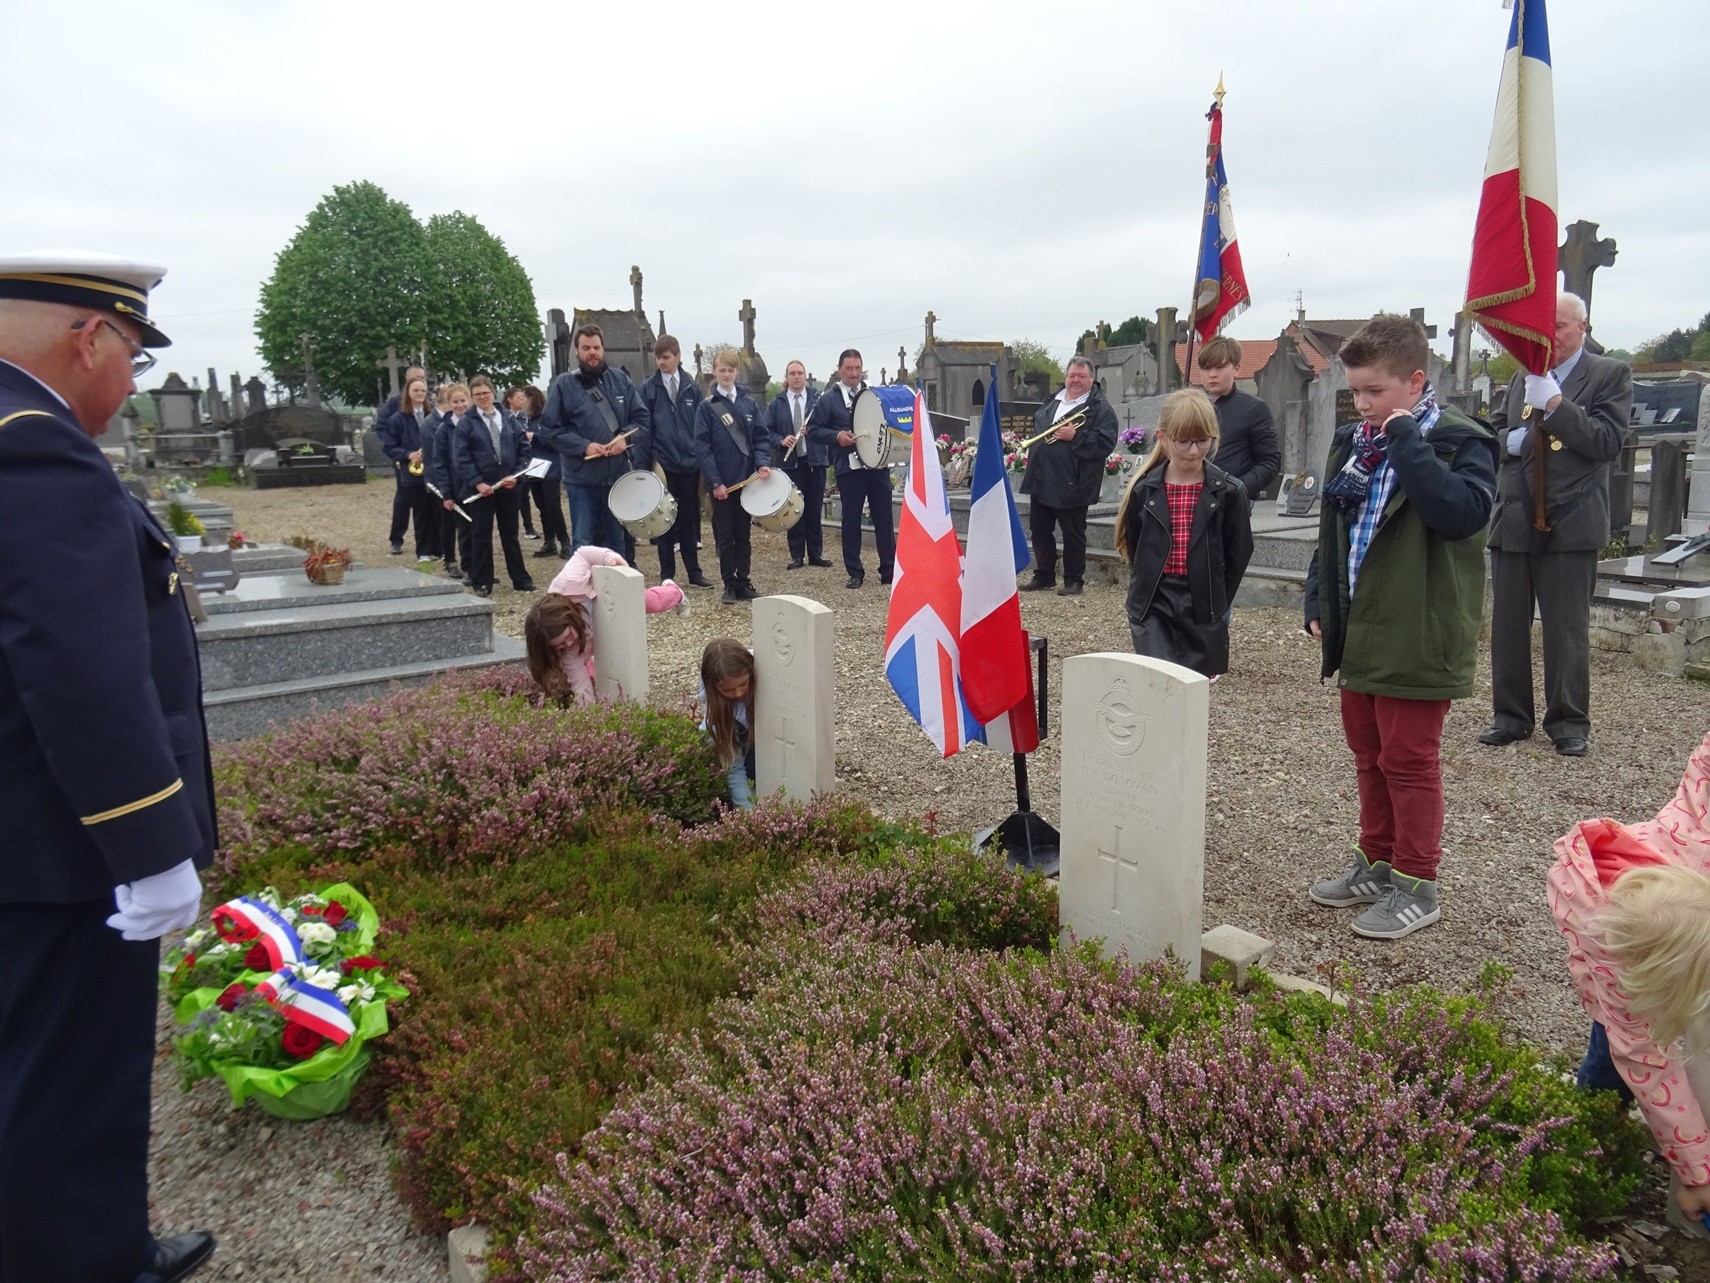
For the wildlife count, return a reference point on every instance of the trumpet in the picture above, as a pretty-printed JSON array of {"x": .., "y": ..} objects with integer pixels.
[
  {"x": 417, "y": 467},
  {"x": 1075, "y": 420}
]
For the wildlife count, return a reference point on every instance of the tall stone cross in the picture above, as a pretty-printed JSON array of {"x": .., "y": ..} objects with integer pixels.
[
  {"x": 1582, "y": 253},
  {"x": 746, "y": 316},
  {"x": 931, "y": 320},
  {"x": 697, "y": 360},
  {"x": 392, "y": 364},
  {"x": 635, "y": 284},
  {"x": 311, "y": 385},
  {"x": 902, "y": 365}
]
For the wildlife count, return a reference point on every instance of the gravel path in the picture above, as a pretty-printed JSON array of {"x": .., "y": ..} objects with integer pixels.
[{"x": 1282, "y": 812}]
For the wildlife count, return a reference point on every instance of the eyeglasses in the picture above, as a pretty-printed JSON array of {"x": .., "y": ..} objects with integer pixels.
[
  {"x": 1198, "y": 443},
  {"x": 142, "y": 360}
]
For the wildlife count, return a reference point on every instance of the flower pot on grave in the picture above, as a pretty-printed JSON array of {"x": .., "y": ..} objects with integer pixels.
[
  {"x": 189, "y": 543},
  {"x": 312, "y": 1100}
]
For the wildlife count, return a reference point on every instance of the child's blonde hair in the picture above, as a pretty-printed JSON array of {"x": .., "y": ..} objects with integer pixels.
[
  {"x": 1187, "y": 416},
  {"x": 1657, "y": 927}
]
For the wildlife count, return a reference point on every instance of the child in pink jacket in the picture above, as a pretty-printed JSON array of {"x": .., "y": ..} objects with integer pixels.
[
  {"x": 559, "y": 628},
  {"x": 1633, "y": 902}
]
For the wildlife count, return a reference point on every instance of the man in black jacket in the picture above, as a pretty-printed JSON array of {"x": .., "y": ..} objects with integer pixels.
[
  {"x": 803, "y": 460},
  {"x": 1247, "y": 438},
  {"x": 590, "y": 413},
  {"x": 1064, "y": 474},
  {"x": 831, "y": 427},
  {"x": 672, "y": 398}
]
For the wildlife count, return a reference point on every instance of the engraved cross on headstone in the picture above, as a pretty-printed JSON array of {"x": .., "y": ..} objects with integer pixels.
[
  {"x": 782, "y": 737},
  {"x": 392, "y": 364},
  {"x": 1114, "y": 858},
  {"x": 746, "y": 316}
]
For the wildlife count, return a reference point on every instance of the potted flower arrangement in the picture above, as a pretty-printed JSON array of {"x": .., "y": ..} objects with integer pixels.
[
  {"x": 281, "y": 998},
  {"x": 325, "y": 565},
  {"x": 186, "y": 526},
  {"x": 1115, "y": 469},
  {"x": 237, "y": 539},
  {"x": 1132, "y": 439}
]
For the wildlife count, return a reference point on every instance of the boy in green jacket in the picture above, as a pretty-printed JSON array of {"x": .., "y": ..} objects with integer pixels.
[{"x": 1395, "y": 594}]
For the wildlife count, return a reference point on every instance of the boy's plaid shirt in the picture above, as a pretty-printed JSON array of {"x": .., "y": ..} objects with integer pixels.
[{"x": 1377, "y": 498}]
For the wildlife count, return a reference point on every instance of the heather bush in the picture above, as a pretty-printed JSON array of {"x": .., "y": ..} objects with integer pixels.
[
  {"x": 874, "y": 1110},
  {"x": 465, "y": 772}
]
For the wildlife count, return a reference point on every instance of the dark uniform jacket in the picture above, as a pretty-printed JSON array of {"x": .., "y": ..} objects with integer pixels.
[
  {"x": 672, "y": 423},
  {"x": 722, "y": 461},
  {"x": 781, "y": 422},
  {"x": 399, "y": 436},
  {"x": 1589, "y": 424},
  {"x": 537, "y": 448},
  {"x": 473, "y": 457},
  {"x": 104, "y": 774},
  {"x": 1247, "y": 441},
  {"x": 573, "y": 419},
  {"x": 1411, "y": 629},
  {"x": 831, "y": 415},
  {"x": 437, "y": 451},
  {"x": 1219, "y": 548},
  {"x": 1069, "y": 474}
]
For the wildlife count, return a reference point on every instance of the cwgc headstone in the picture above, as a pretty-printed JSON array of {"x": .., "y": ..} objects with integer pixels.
[
  {"x": 1133, "y": 805},
  {"x": 620, "y": 633},
  {"x": 795, "y": 697}
]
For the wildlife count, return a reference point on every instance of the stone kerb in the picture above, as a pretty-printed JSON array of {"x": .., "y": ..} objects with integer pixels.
[
  {"x": 795, "y": 697},
  {"x": 1133, "y": 805},
  {"x": 619, "y": 612}
]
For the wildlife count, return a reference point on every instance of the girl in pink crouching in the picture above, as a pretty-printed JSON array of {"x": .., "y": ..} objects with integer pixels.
[{"x": 559, "y": 628}]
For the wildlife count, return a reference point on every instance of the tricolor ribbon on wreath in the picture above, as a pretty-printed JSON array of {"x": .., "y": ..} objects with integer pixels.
[{"x": 247, "y": 920}]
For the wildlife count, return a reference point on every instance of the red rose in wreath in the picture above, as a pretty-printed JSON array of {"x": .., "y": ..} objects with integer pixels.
[
  {"x": 230, "y": 997},
  {"x": 300, "y": 1041},
  {"x": 256, "y": 959},
  {"x": 334, "y": 913},
  {"x": 361, "y": 962}
]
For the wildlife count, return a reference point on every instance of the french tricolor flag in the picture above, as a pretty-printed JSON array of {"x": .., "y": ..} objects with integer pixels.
[
  {"x": 246, "y": 919},
  {"x": 1511, "y": 287},
  {"x": 316, "y": 1008},
  {"x": 996, "y": 663}
]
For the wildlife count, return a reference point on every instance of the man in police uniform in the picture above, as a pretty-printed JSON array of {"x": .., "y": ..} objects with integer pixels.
[{"x": 105, "y": 787}]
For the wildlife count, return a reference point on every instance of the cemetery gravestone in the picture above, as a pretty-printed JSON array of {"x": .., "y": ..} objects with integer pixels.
[
  {"x": 619, "y": 612},
  {"x": 1300, "y": 495},
  {"x": 1133, "y": 805},
  {"x": 795, "y": 698}
]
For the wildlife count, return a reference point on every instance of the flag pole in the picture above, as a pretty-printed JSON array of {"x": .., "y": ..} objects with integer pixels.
[{"x": 1193, "y": 309}]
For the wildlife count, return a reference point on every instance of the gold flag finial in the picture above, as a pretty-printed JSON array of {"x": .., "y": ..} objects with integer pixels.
[{"x": 1220, "y": 90}]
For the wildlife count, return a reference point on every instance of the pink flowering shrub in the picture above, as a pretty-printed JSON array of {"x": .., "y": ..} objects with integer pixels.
[
  {"x": 466, "y": 771},
  {"x": 876, "y": 1111}
]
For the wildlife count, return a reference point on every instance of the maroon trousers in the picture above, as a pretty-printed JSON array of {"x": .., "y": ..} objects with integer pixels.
[{"x": 1396, "y": 758}]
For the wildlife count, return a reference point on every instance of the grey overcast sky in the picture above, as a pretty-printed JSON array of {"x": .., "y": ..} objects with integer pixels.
[{"x": 1023, "y": 170}]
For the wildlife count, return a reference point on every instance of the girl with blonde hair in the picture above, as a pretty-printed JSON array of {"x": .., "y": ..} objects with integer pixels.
[
  {"x": 1184, "y": 528},
  {"x": 1633, "y": 902}
]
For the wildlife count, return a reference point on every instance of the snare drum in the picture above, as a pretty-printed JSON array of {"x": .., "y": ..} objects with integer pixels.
[
  {"x": 881, "y": 417},
  {"x": 642, "y": 505},
  {"x": 773, "y": 501}
]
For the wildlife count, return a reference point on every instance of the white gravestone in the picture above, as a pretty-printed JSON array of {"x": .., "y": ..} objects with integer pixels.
[
  {"x": 795, "y": 697},
  {"x": 620, "y": 633},
  {"x": 1133, "y": 805},
  {"x": 1698, "y": 509}
]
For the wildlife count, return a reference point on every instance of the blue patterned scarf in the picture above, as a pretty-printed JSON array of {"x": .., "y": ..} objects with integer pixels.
[{"x": 1348, "y": 488}]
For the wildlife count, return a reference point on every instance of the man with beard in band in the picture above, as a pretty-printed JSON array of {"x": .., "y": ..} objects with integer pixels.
[{"x": 598, "y": 423}]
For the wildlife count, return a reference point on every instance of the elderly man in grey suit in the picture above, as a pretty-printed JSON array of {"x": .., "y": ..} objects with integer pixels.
[{"x": 1558, "y": 433}]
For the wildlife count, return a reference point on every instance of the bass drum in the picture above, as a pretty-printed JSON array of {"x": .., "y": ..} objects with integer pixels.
[
  {"x": 642, "y": 505},
  {"x": 882, "y": 417},
  {"x": 773, "y": 501}
]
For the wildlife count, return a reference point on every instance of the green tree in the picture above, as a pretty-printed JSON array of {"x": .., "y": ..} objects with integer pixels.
[
  {"x": 354, "y": 278},
  {"x": 1678, "y": 345},
  {"x": 1136, "y": 329},
  {"x": 1503, "y": 368},
  {"x": 481, "y": 313},
  {"x": 1031, "y": 356}
]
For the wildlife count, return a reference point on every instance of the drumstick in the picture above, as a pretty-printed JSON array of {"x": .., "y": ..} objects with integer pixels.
[{"x": 733, "y": 489}]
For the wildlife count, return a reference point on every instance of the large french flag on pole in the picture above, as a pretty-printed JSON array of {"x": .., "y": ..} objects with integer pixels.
[
  {"x": 1511, "y": 287},
  {"x": 995, "y": 658},
  {"x": 1220, "y": 291},
  {"x": 924, "y": 624}
]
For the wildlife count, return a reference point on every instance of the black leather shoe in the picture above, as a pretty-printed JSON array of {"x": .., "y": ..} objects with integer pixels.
[
  {"x": 1497, "y": 736},
  {"x": 526, "y": 585},
  {"x": 885, "y": 579},
  {"x": 1070, "y": 588},
  {"x": 483, "y": 590},
  {"x": 795, "y": 565},
  {"x": 546, "y": 551},
  {"x": 1037, "y": 584},
  {"x": 855, "y": 581},
  {"x": 698, "y": 580},
  {"x": 818, "y": 561},
  {"x": 731, "y": 596},
  {"x": 178, "y": 1257},
  {"x": 1572, "y": 746},
  {"x": 747, "y": 591}
]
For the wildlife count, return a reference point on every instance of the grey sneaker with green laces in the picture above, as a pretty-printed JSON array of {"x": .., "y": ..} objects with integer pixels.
[
  {"x": 1363, "y": 883},
  {"x": 1409, "y": 904}
]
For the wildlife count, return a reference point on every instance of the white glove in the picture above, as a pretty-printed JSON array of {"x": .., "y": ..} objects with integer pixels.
[
  {"x": 152, "y": 906},
  {"x": 1517, "y": 439},
  {"x": 1541, "y": 389}
]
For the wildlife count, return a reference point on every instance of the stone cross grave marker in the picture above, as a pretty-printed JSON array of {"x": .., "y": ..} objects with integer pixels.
[
  {"x": 795, "y": 697},
  {"x": 619, "y": 612},
  {"x": 394, "y": 365},
  {"x": 1133, "y": 805}
]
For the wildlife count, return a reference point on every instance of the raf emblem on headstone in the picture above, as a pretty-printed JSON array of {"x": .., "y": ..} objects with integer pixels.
[{"x": 1119, "y": 720}]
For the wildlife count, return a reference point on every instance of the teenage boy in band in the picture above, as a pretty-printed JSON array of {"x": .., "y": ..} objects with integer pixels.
[
  {"x": 732, "y": 444},
  {"x": 453, "y": 401},
  {"x": 803, "y": 461},
  {"x": 1395, "y": 594},
  {"x": 673, "y": 397},
  {"x": 401, "y": 498},
  {"x": 831, "y": 426},
  {"x": 487, "y": 451},
  {"x": 1246, "y": 435}
]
